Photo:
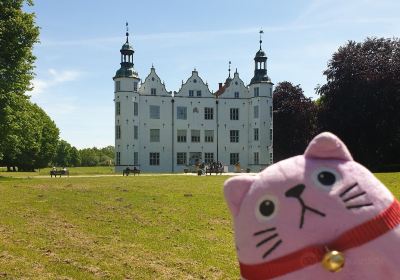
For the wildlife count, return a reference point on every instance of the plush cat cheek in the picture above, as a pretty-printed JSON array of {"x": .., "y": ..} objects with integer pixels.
[
  {"x": 326, "y": 178},
  {"x": 266, "y": 208}
]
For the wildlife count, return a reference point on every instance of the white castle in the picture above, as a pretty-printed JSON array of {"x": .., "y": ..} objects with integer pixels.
[{"x": 162, "y": 131}]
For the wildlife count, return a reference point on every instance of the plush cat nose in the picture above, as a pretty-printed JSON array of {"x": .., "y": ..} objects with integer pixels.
[{"x": 296, "y": 191}]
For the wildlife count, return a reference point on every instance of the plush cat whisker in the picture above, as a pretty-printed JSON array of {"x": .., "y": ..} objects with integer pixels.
[
  {"x": 264, "y": 231},
  {"x": 348, "y": 189},
  {"x": 277, "y": 243},
  {"x": 359, "y": 206},
  {"x": 354, "y": 196},
  {"x": 262, "y": 242}
]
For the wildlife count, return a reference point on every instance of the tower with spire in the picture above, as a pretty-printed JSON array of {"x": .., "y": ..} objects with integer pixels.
[
  {"x": 126, "y": 97},
  {"x": 260, "y": 89}
]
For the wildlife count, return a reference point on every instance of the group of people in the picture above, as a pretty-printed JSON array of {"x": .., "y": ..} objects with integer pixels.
[{"x": 64, "y": 169}]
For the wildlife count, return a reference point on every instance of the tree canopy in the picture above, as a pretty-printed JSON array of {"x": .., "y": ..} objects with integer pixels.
[
  {"x": 360, "y": 100},
  {"x": 28, "y": 136},
  {"x": 294, "y": 120}
]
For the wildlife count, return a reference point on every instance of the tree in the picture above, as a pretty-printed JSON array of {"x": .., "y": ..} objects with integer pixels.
[
  {"x": 63, "y": 154},
  {"x": 18, "y": 34},
  {"x": 360, "y": 100},
  {"x": 294, "y": 120}
]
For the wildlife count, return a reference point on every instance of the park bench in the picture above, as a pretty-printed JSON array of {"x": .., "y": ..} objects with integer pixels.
[
  {"x": 60, "y": 173},
  {"x": 127, "y": 170}
]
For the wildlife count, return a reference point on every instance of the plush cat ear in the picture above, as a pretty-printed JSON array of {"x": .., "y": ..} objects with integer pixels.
[
  {"x": 328, "y": 146},
  {"x": 235, "y": 190}
]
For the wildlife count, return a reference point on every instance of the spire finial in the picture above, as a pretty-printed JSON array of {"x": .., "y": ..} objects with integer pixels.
[
  {"x": 229, "y": 69},
  {"x": 127, "y": 32},
  {"x": 261, "y": 32}
]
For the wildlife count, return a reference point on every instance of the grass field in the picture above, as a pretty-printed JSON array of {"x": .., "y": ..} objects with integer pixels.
[
  {"x": 97, "y": 170},
  {"x": 148, "y": 227}
]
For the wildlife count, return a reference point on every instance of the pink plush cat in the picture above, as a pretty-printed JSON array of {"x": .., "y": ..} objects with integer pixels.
[{"x": 297, "y": 211}]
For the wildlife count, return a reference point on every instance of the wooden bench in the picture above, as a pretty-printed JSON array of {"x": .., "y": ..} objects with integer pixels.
[
  {"x": 59, "y": 173},
  {"x": 134, "y": 171}
]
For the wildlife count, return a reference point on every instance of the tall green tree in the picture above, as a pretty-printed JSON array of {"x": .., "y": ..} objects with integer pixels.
[
  {"x": 18, "y": 34},
  {"x": 63, "y": 154},
  {"x": 360, "y": 101},
  {"x": 294, "y": 120}
]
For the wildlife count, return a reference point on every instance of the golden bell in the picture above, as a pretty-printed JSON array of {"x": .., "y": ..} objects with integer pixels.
[{"x": 333, "y": 261}]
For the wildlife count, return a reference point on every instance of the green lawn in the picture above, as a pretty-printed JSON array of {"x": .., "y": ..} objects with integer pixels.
[
  {"x": 147, "y": 227},
  {"x": 97, "y": 170}
]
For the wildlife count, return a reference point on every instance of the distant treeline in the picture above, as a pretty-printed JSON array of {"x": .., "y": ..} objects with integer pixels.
[{"x": 67, "y": 155}]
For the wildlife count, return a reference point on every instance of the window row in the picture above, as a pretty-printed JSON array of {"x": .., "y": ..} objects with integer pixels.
[
  {"x": 181, "y": 136},
  {"x": 118, "y": 86},
  {"x": 195, "y": 137},
  {"x": 185, "y": 158},
  {"x": 181, "y": 112},
  {"x": 256, "y": 92}
]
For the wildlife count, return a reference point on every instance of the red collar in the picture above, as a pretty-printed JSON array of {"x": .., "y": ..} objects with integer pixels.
[{"x": 354, "y": 237}]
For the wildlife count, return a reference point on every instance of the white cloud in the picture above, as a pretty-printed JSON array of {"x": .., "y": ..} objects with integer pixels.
[{"x": 55, "y": 78}]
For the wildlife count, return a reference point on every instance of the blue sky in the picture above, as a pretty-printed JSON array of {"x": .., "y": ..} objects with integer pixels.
[{"x": 80, "y": 41}]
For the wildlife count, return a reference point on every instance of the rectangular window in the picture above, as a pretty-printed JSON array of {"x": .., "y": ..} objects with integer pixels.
[
  {"x": 118, "y": 108},
  {"x": 118, "y": 158},
  {"x": 195, "y": 135},
  {"x": 181, "y": 135},
  {"x": 135, "y": 158},
  {"x": 154, "y": 135},
  {"x": 208, "y": 113},
  {"x": 256, "y": 134},
  {"x": 198, "y": 93},
  {"x": 255, "y": 109},
  {"x": 135, "y": 132},
  {"x": 208, "y": 136},
  {"x": 236, "y": 94},
  {"x": 270, "y": 134},
  {"x": 134, "y": 86},
  {"x": 118, "y": 132},
  {"x": 256, "y": 158},
  {"x": 234, "y": 136},
  {"x": 117, "y": 85},
  {"x": 256, "y": 92},
  {"x": 270, "y": 158},
  {"x": 234, "y": 114},
  {"x": 154, "y": 158},
  {"x": 270, "y": 111},
  {"x": 135, "y": 108},
  {"x": 181, "y": 113},
  {"x": 154, "y": 112},
  {"x": 270, "y": 91},
  {"x": 153, "y": 91},
  {"x": 181, "y": 158},
  {"x": 191, "y": 93},
  {"x": 234, "y": 158},
  {"x": 208, "y": 157}
]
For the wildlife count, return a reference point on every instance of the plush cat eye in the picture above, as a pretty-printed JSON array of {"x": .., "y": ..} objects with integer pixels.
[
  {"x": 266, "y": 207},
  {"x": 326, "y": 177}
]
